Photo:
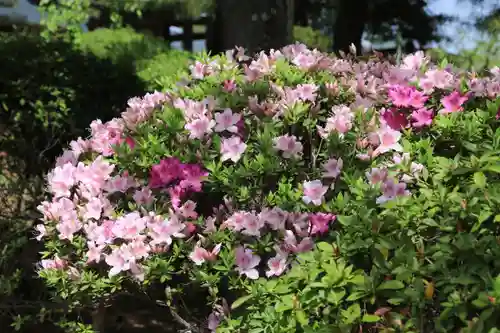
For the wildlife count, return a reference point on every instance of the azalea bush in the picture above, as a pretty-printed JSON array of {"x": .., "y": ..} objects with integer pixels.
[{"x": 289, "y": 192}]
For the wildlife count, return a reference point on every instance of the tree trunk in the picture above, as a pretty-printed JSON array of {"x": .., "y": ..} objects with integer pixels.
[
  {"x": 300, "y": 13},
  {"x": 255, "y": 25},
  {"x": 350, "y": 24}
]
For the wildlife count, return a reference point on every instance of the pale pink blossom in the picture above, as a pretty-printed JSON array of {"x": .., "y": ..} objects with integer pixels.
[
  {"x": 201, "y": 255},
  {"x": 314, "y": 192},
  {"x": 232, "y": 149},
  {"x": 61, "y": 180},
  {"x": 42, "y": 232},
  {"x": 376, "y": 175},
  {"x": 246, "y": 262},
  {"x": 143, "y": 196},
  {"x": 274, "y": 217},
  {"x": 292, "y": 245},
  {"x": 226, "y": 121},
  {"x": 187, "y": 210},
  {"x": 200, "y": 127},
  {"x": 333, "y": 167},
  {"x": 392, "y": 189},
  {"x": 289, "y": 145},
  {"x": 163, "y": 232},
  {"x": 94, "y": 253},
  {"x": 277, "y": 265},
  {"x": 307, "y": 92},
  {"x": 129, "y": 226},
  {"x": 388, "y": 140}
]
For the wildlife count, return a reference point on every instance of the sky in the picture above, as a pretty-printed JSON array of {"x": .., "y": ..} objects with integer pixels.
[{"x": 464, "y": 10}]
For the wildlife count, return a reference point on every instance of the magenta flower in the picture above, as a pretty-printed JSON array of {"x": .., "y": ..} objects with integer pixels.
[
  {"x": 319, "y": 222},
  {"x": 406, "y": 96},
  {"x": 394, "y": 118}
]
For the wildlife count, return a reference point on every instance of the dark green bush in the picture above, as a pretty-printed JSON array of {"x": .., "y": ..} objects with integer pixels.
[
  {"x": 49, "y": 93},
  {"x": 149, "y": 57}
]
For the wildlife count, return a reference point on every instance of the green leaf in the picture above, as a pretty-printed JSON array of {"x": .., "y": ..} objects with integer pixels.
[
  {"x": 391, "y": 285},
  {"x": 240, "y": 301},
  {"x": 325, "y": 247},
  {"x": 346, "y": 220},
  {"x": 480, "y": 179},
  {"x": 493, "y": 168},
  {"x": 368, "y": 318},
  {"x": 301, "y": 317}
]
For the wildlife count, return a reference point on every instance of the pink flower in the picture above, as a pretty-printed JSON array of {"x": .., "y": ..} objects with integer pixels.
[
  {"x": 332, "y": 168},
  {"x": 307, "y": 92},
  {"x": 119, "y": 259},
  {"x": 119, "y": 183},
  {"x": 56, "y": 263},
  {"x": 129, "y": 226},
  {"x": 93, "y": 209},
  {"x": 319, "y": 222},
  {"x": 61, "y": 180},
  {"x": 406, "y": 96},
  {"x": 232, "y": 149},
  {"x": 289, "y": 145},
  {"x": 239, "y": 220},
  {"x": 394, "y": 118},
  {"x": 246, "y": 262},
  {"x": 376, "y": 175},
  {"x": 436, "y": 78},
  {"x": 414, "y": 61},
  {"x": 162, "y": 232},
  {"x": 198, "y": 70},
  {"x": 340, "y": 121},
  {"x": 200, "y": 255},
  {"x": 391, "y": 189},
  {"x": 143, "y": 196},
  {"x": 94, "y": 253},
  {"x": 275, "y": 218},
  {"x": 188, "y": 210},
  {"x": 388, "y": 140},
  {"x": 453, "y": 102},
  {"x": 68, "y": 156},
  {"x": 277, "y": 265},
  {"x": 69, "y": 225},
  {"x": 199, "y": 127},
  {"x": 252, "y": 225},
  {"x": 422, "y": 117},
  {"x": 314, "y": 192},
  {"x": 291, "y": 244},
  {"x": 226, "y": 121},
  {"x": 229, "y": 85}
]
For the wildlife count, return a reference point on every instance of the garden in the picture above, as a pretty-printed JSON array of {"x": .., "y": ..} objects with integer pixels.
[{"x": 292, "y": 190}]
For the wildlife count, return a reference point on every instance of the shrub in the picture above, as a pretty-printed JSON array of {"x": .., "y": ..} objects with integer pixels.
[
  {"x": 49, "y": 93},
  {"x": 312, "y": 38},
  {"x": 150, "y": 57},
  {"x": 291, "y": 192}
]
